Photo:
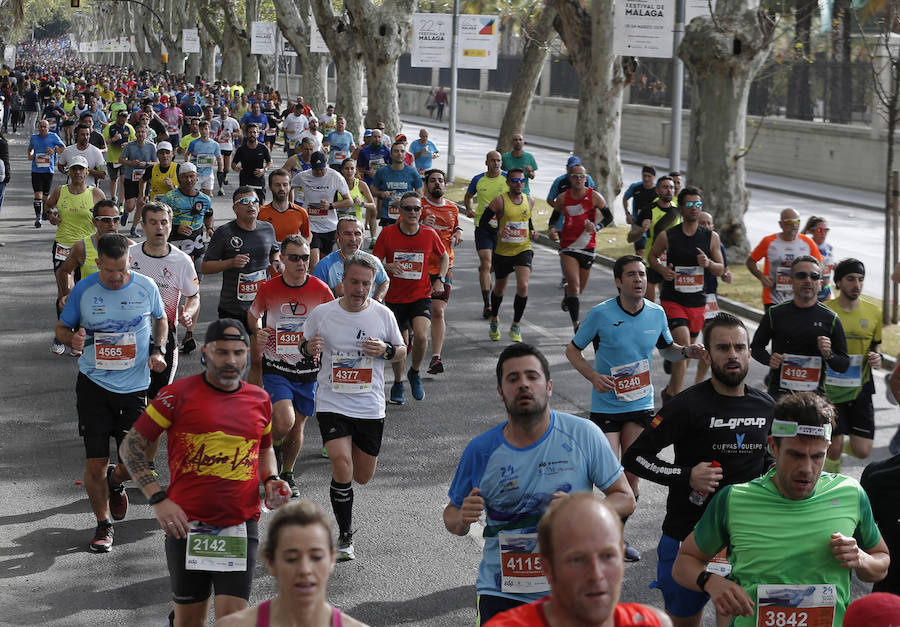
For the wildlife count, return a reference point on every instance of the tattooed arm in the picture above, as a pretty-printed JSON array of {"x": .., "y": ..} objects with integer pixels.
[{"x": 171, "y": 517}]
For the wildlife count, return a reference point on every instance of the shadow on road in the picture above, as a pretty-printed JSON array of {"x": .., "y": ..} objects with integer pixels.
[{"x": 418, "y": 609}]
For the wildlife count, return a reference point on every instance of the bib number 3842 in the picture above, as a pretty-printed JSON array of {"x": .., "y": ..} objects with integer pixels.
[{"x": 784, "y": 605}]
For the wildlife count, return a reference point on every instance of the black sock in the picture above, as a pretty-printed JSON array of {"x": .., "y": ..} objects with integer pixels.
[
  {"x": 519, "y": 307},
  {"x": 220, "y": 176},
  {"x": 38, "y": 207},
  {"x": 495, "y": 304},
  {"x": 573, "y": 305},
  {"x": 106, "y": 523},
  {"x": 485, "y": 296},
  {"x": 342, "y": 504}
]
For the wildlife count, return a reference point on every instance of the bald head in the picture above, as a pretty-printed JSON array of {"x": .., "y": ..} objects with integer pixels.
[
  {"x": 494, "y": 162},
  {"x": 790, "y": 224}
]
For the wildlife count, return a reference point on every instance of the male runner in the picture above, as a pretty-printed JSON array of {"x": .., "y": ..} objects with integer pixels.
[
  {"x": 518, "y": 158},
  {"x": 484, "y": 188},
  {"x": 321, "y": 187},
  {"x": 251, "y": 160},
  {"x": 192, "y": 214},
  {"x": 206, "y": 154},
  {"x": 163, "y": 176},
  {"x": 286, "y": 218},
  {"x": 353, "y": 336},
  {"x": 136, "y": 157},
  {"x": 43, "y": 147},
  {"x": 652, "y": 220},
  {"x": 331, "y": 268},
  {"x": 113, "y": 311},
  {"x": 513, "y": 471}
]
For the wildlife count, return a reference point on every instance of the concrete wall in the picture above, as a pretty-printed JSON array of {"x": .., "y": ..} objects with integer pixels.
[{"x": 852, "y": 156}]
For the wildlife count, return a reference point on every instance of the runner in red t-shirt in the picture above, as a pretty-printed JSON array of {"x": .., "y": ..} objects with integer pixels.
[{"x": 404, "y": 249}]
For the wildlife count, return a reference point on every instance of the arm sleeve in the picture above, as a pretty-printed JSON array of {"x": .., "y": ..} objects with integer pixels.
[
  {"x": 486, "y": 216},
  {"x": 472, "y": 189},
  {"x": 759, "y": 347}
]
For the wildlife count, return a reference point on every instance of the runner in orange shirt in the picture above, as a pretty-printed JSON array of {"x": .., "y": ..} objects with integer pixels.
[{"x": 286, "y": 217}]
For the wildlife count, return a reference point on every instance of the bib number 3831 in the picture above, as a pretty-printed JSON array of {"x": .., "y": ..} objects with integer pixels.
[{"x": 783, "y": 605}]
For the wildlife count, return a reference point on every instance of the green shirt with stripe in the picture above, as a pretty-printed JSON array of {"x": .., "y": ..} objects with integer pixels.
[{"x": 772, "y": 539}]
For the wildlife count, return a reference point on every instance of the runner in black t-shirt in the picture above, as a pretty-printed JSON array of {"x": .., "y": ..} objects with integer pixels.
[
  {"x": 252, "y": 159},
  {"x": 881, "y": 481},
  {"x": 721, "y": 420}
]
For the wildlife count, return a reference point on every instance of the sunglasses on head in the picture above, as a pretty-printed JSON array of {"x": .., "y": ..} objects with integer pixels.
[
  {"x": 295, "y": 258},
  {"x": 815, "y": 276},
  {"x": 247, "y": 200}
]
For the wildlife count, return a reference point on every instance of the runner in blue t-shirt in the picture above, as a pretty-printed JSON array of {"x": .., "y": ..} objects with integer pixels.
[
  {"x": 43, "y": 147},
  {"x": 392, "y": 181},
  {"x": 338, "y": 144},
  {"x": 207, "y": 156},
  {"x": 423, "y": 151},
  {"x": 512, "y": 472},
  {"x": 112, "y": 311}
]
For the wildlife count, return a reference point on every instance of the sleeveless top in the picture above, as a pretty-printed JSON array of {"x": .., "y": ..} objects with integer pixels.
[
  {"x": 262, "y": 615},
  {"x": 576, "y": 212},
  {"x": 77, "y": 220},
  {"x": 89, "y": 266},
  {"x": 687, "y": 287},
  {"x": 517, "y": 218},
  {"x": 356, "y": 194}
]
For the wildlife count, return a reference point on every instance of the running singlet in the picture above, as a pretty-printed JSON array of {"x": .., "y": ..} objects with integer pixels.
[
  {"x": 446, "y": 221},
  {"x": 625, "y": 350},
  {"x": 517, "y": 485},
  {"x": 76, "y": 218},
  {"x": 118, "y": 330},
  {"x": 350, "y": 382},
  {"x": 359, "y": 200},
  {"x": 484, "y": 189},
  {"x": 91, "y": 255},
  {"x": 704, "y": 426},
  {"x": 158, "y": 178},
  {"x": 331, "y": 270},
  {"x": 862, "y": 330},
  {"x": 412, "y": 251},
  {"x": 576, "y": 212},
  {"x": 214, "y": 438},
  {"x": 687, "y": 287},
  {"x": 778, "y": 255},
  {"x": 174, "y": 275},
  {"x": 532, "y": 615},
  {"x": 284, "y": 310},
  {"x": 517, "y": 219},
  {"x": 776, "y": 540}
]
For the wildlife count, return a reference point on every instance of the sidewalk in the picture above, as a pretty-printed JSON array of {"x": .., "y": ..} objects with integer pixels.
[{"x": 863, "y": 199}]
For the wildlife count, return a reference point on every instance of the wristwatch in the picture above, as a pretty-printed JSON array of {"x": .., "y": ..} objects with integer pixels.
[
  {"x": 156, "y": 347},
  {"x": 702, "y": 578}
]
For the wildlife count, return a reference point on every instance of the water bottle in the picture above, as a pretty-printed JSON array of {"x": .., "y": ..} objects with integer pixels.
[
  {"x": 697, "y": 497},
  {"x": 284, "y": 495}
]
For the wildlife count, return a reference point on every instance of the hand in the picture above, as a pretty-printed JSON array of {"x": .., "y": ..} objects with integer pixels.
[
  {"x": 645, "y": 225},
  {"x": 277, "y": 267},
  {"x": 727, "y": 276},
  {"x": 767, "y": 281},
  {"x": 61, "y": 301},
  {"x": 668, "y": 273},
  {"x": 589, "y": 227},
  {"x": 705, "y": 477},
  {"x": 156, "y": 362},
  {"x": 339, "y": 289},
  {"x": 729, "y": 598},
  {"x": 186, "y": 319},
  {"x": 393, "y": 268},
  {"x": 603, "y": 383},
  {"x": 628, "y": 218},
  {"x": 553, "y": 234},
  {"x": 239, "y": 261},
  {"x": 171, "y": 518},
  {"x": 429, "y": 221},
  {"x": 278, "y": 492},
  {"x": 78, "y": 339},
  {"x": 874, "y": 360},
  {"x": 845, "y": 550},
  {"x": 185, "y": 230},
  {"x": 535, "y": 236},
  {"x": 775, "y": 360},
  {"x": 472, "y": 507},
  {"x": 258, "y": 172},
  {"x": 695, "y": 351},
  {"x": 824, "y": 343},
  {"x": 169, "y": 183},
  {"x": 54, "y": 218},
  {"x": 457, "y": 238},
  {"x": 702, "y": 259},
  {"x": 470, "y": 213},
  {"x": 373, "y": 347},
  {"x": 49, "y": 151},
  {"x": 315, "y": 344}
]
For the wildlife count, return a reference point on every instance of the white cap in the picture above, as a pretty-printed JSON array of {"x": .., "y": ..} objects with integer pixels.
[
  {"x": 186, "y": 167},
  {"x": 163, "y": 146},
  {"x": 77, "y": 161}
]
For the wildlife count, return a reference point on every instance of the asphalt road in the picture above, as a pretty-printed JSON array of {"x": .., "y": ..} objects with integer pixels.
[{"x": 409, "y": 570}]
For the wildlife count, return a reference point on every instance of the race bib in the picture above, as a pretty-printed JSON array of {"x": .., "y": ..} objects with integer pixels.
[
  {"x": 632, "y": 380},
  {"x": 115, "y": 351},
  {"x": 785, "y": 605},
  {"x": 520, "y": 564},
  {"x": 393, "y": 211},
  {"x": 190, "y": 246},
  {"x": 270, "y": 132},
  {"x": 171, "y": 129},
  {"x": 801, "y": 372},
  {"x": 850, "y": 379},
  {"x": 60, "y": 252},
  {"x": 204, "y": 161},
  {"x": 248, "y": 284},
  {"x": 516, "y": 233},
  {"x": 351, "y": 374},
  {"x": 376, "y": 163},
  {"x": 712, "y": 306},
  {"x": 221, "y": 549},
  {"x": 783, "y": 284},
  {"x": 42, "y": 161},
  {"x": 340, "y": 156},
  {"x": 137, "y": 174},
  {"x": 316, "y": 211},
  {"x": 411, "y": 265},
  {"x": 287, "y": 336},
  {"x": 688, "y": 279},
  {"x": 719, "y": 564}
]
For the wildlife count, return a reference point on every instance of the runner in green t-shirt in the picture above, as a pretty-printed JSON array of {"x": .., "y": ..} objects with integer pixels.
[
  {"x": 791, "y": 536},
  {"x": 518, "y": 158}
]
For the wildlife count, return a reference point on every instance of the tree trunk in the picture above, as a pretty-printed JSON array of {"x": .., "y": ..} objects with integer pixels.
[
  {"x": 292, "y": 17},
  {"x": 266, "y": 65},
  {"x": 385, "y": 30},
  {"x": 237, "y": 48},
  {"x": 348, "y": 65},
  {"x": 839, "y": 101},
  {"x": 800, "y": 105},
  {"x": 723, "y": 54},
  {"x": 231, "y": 68},
  {"x": 602, "y": 76},
  {"x": 207, "y": 54},
  {"x": 538, "y": 33}
]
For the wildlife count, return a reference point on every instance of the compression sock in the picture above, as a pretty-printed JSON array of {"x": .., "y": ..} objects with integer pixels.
[
  {"x": 38, "y": 207},
  {"x": 342, "y": 504},
  {"x": 220, "y": 176},
  {"x": 495, "y": 304},
  {"x": 519, "y": 308},
  {"x": 573, "y": 304},
  {"x": 485, "y": 296}
]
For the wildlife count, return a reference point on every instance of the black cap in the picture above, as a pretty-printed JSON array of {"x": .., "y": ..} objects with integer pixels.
[
  {"x": 218, "y": 330},
  {"x": 318, "y": 161}
]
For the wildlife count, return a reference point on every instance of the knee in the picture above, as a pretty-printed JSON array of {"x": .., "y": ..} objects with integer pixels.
[
  {"x": 437, "y": 315},
  {"x": 341, "y": 466},
  {"x": 282, "y": 423},
  {"x": 363, "y": 477}
]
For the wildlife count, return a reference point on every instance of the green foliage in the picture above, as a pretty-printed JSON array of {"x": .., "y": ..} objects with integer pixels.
[{"x": 48, "y": 18}]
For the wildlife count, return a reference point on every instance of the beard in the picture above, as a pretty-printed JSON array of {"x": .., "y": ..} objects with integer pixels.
[
  {"x": 729, "y": 378},
  {"x": 526, "y": 417}
]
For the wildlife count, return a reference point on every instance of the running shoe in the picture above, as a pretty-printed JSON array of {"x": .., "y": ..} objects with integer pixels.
[
  {"x": 288, "y": 477},
  {"x": 325, "y": 452},
  {"x": 221, "y": 193},
  {"x": 37, "y": 223},
  {"x": 118, "y": 498},
  {"x": 632, "y": 554},
  {"x": 436, "y": 366},
  {"x": 103, "y": 539},
  {"x": 345, "y": 551},
  {"x": 564, "y": 306},
  {"x": 486, "y": 312},
  {"x": 415, "y": 384},
  {"x": 132, "y": 233},
  {"x": 515, "y": 333},
  {"x": 123, "y": 219},
  {"x": 57, "y": 348},
  {"x": 189, "y": 344},
  {"x": 494, "y": 333},
  {"x": 397, "y": 394}
]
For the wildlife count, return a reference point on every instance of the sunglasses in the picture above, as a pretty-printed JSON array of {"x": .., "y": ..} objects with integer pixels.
[
  {"x": 296, "y": 258},
  {"x": 792, "y": 221},
  {"x": 821, "y": 229},
  {"x": 578, "y": 176},
  {"x": 518, "y": 179},
  {"x": 690, "y": 204},
  {"x": 411, "y": 207},
  {"x": 815, "y": 276},
  {"x": 107, "y": 219},
  {"x": 247, "y": 200}
]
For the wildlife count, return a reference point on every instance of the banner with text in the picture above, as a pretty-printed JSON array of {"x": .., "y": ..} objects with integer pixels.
[
  {"x": 190, "y": 40},
  {"x": 431, "y": 40},
  {"x": 262, "y": 37},
  {"x": 644, "y": 28},
  {"x": 477, "y": 41}
]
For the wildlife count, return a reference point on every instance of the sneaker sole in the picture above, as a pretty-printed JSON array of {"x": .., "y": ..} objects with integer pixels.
[
  {"x": 343, "y": 557},
  {"x": 99, "y": 549}
]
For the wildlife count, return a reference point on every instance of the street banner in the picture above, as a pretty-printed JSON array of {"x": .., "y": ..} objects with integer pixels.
[
  {"x": 262, "y": 37},
  {"x": 190, "y": 40},
  {"x": 478, "y": 35},
  {"x": 644, "y": 28},
  {"x": 431, "y": 40}
]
